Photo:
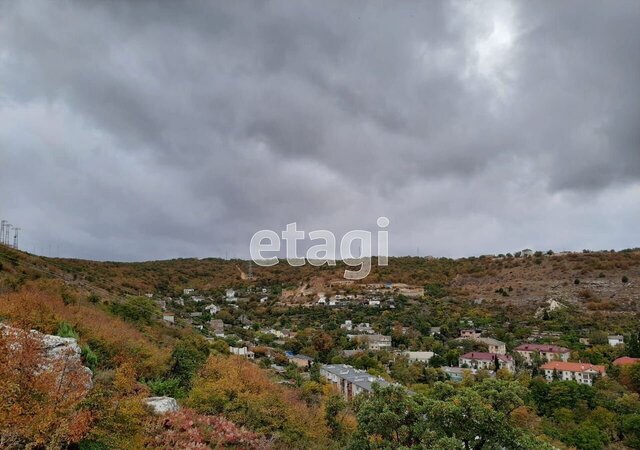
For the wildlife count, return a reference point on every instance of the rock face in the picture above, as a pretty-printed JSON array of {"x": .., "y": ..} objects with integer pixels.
[
  {"x": 61, "y": 356},
  {"x": 162, "y": 405}
]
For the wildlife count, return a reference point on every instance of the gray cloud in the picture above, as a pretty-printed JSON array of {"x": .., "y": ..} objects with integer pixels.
[{"x": 137, "y": 130}]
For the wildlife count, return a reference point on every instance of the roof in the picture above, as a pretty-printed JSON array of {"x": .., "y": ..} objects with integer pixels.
[
  {"x": 490, "y": 341},
  {"x": 358, "y": 377},
  {"x": 624, "y": 360},
  {"x": 572, "y": 367},
  {"x": 542, "y": 348},
  {"x": 301, "y": 357},
  {"x": 485, "y": 356},
  {"x": 427, "y": 355}
]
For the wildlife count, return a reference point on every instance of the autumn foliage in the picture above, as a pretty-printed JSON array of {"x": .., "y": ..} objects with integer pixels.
[
  {"x": 242, "y": 392},
  {"x": 41, "y": 306},
  {"x": 40, "y": 396},
  {"x": 189, "y": 430}
]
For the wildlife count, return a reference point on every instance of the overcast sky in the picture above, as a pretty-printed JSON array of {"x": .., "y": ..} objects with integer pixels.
[{"x": 144, "y": 130}]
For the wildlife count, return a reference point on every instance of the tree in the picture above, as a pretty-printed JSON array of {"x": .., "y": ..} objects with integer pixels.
[
  {"x": 141, "y": 310},
  {"x": 633, "y": 345},
  {"x": 469, "y": 418},
  {"x": 188, "y": 356},
  {"x": 334, "y": 409}
]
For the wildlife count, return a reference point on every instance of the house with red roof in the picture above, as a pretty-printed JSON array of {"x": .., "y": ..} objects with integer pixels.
[
  {"x": 625, "y": 361},
  {"x": 547, "y": 352},
  {"x": 582, "y": 373},
  {"x": 488, "y": 361}
]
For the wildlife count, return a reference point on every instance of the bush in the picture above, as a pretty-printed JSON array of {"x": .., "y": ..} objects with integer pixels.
[
  {"x": 625, "y": 279},
  {"x": 170, "y": 387},
  {"x": 89, "y": 358},
  {"x": 65, "y": 330}
]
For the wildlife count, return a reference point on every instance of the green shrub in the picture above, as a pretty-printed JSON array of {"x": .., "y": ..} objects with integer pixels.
[
  {"x": 66, "y": 330},
  {"x": 89, "y": 358}
]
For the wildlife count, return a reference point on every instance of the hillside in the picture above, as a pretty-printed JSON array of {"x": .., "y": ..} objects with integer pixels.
[{"x": 143, "y": 335}]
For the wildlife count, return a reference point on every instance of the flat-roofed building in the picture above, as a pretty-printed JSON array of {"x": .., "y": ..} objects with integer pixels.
[{"x": 350, "y": 381}]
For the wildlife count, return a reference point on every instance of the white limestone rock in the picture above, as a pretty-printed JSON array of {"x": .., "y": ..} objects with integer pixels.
[{"x": 162, "y": 405}]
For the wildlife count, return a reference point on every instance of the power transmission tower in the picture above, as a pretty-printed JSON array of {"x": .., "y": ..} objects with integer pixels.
[
  {"x": 15, "y": 237},
  {"x": 3, "y": 223},
  {"x": 7, "y": 233},
  {"x": 250, "y": 270}
]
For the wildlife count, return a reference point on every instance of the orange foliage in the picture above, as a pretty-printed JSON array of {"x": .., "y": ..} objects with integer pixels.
[
  {"x": 241, "y": 391},
  {"x": 40, "y": 395},
  {"x": 42, "y": 308}
]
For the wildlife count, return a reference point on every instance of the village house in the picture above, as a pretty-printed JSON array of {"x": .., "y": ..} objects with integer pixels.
[
  {"x": 582, "y": 373},
  {"x": 242, "y": 351},
  {"x": 347, "y": 325},
  {"x": 169, "y": 317},
  {"x": 230, "y": 296},
  {"x": 302, "y": 361},
  {"x": 188, "y": 291},
  {"x": 494, "y": 345},
  {"x": 488, "y": 361},
  {"x": 547, "y": 352},
  {"x": 350, "y": 381},
  {"x": 372, "y": 341},
  {"x": 434, "y": 330},
  {"x": 212, "y": 309},
  {"x": 216, "y": 326},
  {"x": 615, "y": 340},
  {"x": 423, "y": 357},
  {"x": 197, "y": 298},
  {"x": 470, "y": 333},
  {"x": 364, "y": 328}
]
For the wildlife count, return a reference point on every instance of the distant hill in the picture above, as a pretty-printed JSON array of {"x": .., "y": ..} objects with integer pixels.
[{"x": 590, "y": 280}]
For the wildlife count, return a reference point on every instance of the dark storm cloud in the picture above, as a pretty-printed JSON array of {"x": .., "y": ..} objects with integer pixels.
[{"x": 133, "y": 130}]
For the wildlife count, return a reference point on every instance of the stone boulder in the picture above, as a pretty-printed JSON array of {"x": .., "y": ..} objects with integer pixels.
[
  {"x": 59, "y": 355},
  {"x": 162, "y": 405}
]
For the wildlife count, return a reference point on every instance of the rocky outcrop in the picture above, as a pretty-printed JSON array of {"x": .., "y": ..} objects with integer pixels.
[
  {"x": 61, "y": 356},
  {"x": 162, "y": 405}
]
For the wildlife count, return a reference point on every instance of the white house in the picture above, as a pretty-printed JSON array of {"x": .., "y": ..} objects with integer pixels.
[
  {"x": 347, "y": 325},
  {"x": 419, "y": 356},
  {"x": 212, "y": 309},
  {"x": 488, "y": 361},
  {"x": 616, "y": 340},
  {"x": 583, "y": 373},
  {"x": 169, "y": 317},
  {"x": 230, "y": 296},
  {"x": 188, "y": 291},
  {"x": 373, "y": 341},
  {"x": 242, "y": 351}
]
